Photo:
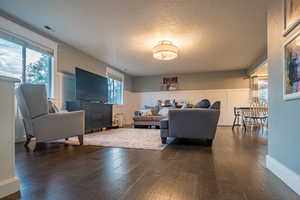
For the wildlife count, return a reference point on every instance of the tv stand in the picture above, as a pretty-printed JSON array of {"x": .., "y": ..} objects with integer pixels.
[{"x": 97, "y": 115}]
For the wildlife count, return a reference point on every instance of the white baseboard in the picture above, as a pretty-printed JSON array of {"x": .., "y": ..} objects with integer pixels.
[
  {"x": 21, "y": 139},
  {"x": 288, "y": 176},
  {"x": 9, "y": 186}
]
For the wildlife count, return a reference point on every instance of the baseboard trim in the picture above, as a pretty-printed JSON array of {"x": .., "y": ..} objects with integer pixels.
[
  {"x": 22, "y": 139},
  {"x": 289, "y": 177},
  {"x": 9, "y": 186}
]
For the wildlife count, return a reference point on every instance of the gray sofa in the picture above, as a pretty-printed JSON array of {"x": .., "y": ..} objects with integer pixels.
[
  {"x": 158, "y": 113},
  {"x": 194, "y": 123},
  {"x": 45, "y": 126},
  {"x": 147, "y": 121}
]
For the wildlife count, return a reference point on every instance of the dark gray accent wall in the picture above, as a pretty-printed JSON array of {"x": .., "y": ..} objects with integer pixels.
[
  {"x": 197, "y": 81},
  {"x": 284, "y": 131}
]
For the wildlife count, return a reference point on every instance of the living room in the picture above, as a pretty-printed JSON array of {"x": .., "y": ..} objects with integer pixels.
[{"x": 112, "y": 105}]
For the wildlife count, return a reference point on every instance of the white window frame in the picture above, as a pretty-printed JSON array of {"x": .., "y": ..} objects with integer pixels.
[
  {"x": 27, "y": 35},
  {"x": 120, "y": 76}
]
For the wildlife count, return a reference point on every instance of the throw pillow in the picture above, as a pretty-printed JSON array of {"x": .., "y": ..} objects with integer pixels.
[
  {"x": 163, "y": 111},
  {"x": 52, "y": 108},
  {"x": 146, "y": 112},
  {"x": 167, "y": 103},
  {"x": 205, "y": 103},
  {"x": 155, "y": 109},
  {"x": 187, "y": 105},
  {"x": 137, "y": 113}
]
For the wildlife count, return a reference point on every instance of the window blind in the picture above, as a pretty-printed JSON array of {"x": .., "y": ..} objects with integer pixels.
[
  {"x": 114, "y": 74},
  {"x": 25, "y": 42}
]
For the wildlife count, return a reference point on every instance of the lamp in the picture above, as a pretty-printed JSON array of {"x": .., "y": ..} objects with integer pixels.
[{"x": 165, "y": 50}]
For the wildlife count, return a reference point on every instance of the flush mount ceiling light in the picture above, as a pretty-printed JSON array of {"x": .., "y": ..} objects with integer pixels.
[
  {"x": 298, "y": 42},
  {"x": 165, "y": 50}
]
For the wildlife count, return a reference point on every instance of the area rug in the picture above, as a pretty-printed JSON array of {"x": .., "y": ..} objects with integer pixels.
[{"x": 124, "y": 138}]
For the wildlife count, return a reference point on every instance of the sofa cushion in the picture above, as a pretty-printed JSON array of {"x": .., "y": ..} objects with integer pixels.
[
  {"x": 164, "y": 124},
  {"x": 148, "y": 118}
]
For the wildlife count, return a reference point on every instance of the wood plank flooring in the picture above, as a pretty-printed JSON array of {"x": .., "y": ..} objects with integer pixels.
[{"x": 233, "y": 169}]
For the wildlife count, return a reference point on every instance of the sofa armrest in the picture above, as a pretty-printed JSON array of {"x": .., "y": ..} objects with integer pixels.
[{"x": 59, "y": 125}]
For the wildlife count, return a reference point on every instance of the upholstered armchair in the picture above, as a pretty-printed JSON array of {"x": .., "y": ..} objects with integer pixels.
[{"x": 39, "y": 123}]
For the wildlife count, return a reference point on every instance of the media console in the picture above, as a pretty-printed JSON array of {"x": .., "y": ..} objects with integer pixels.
[{"x": 97, "y": 115}]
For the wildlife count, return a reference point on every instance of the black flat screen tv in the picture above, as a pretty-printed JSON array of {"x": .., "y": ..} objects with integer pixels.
[{"x": 90, "y": 86}]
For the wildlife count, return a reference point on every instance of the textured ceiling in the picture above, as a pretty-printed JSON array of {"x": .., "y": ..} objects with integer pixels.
[{"x": 212, "y": 35}]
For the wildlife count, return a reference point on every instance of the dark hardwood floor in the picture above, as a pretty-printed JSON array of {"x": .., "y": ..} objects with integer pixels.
[{"x": 233, "y": 169}]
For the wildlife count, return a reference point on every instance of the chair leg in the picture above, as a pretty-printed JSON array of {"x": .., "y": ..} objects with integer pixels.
[
  {"x": 163, "y": 140},
  {"x": 244, "y": 124},
  {"x": 209, "y": 142},
  {"x": 233, "y": 125},
  {"x": 28, "y": 139},
  {"x": 80, "y": 139}
]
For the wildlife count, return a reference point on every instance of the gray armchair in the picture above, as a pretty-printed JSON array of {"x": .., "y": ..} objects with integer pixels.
[
  {"x": 195, "y": 123},
  {"x": 45, "y": 126}
]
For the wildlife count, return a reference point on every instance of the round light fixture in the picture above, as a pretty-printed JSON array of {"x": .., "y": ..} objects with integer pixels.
[
  {"x": 298, "y": 42},
  {"x": 165, "y": 50}
]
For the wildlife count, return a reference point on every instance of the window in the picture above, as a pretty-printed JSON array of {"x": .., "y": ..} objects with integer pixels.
[
  {"x": 11, "y": 59},
  {"x": 263, "y": 89},
  {"x": 114, "y": 91},
  {"x": 28, "y": 63},
  {"x": 38, "y": 68},
  {"x": 115, "y": 86}
]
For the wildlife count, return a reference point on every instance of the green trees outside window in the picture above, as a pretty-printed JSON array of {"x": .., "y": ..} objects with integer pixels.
[
  {"x": 26, "y": 64},
  {"x": 115, "y": 88}
]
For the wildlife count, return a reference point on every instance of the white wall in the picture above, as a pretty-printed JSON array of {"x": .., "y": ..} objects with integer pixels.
[
  {"x": 229, "y": 98},
  {"x": 130, "y": 105},
  {"x": 8, "y": 181}
]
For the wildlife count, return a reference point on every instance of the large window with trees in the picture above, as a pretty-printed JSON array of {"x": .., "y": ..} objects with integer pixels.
[
  {"x": 263, "y": 89},
  {"x": 26, "y": 62},
  {"x": 38, "y": 68}
]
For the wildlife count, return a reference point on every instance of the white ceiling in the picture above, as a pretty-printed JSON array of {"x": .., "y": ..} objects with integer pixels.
[{"x": 212, "y": 35}]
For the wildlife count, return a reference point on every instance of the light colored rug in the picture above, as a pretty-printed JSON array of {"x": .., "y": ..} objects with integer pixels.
[{"x": 124, "y": 138}]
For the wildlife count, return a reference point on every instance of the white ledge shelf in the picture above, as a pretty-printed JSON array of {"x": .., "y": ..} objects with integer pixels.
[{"x": 9, "y": 79}]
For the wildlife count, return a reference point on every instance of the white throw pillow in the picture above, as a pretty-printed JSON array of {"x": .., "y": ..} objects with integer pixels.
[{"x": 164, "y": 111}]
